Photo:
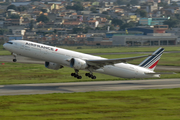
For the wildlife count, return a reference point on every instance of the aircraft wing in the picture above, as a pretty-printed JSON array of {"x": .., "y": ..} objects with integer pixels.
[{"x": 103, "y": 62}]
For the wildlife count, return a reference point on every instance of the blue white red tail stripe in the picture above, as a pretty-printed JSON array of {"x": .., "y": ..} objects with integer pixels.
[
  {"x": 152, "y": 61},
  {"x": 155, "y": 58}
]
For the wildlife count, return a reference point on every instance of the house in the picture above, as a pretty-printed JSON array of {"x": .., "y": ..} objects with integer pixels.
[
  {"x": 93, "y": 23},
  {"x": 13, "y": 22},
  {"x": 40, "y": 24},
  {"x": 133, "y": 18},
  {"x": 150, "y": 7},
  {"x": 39, "y": 4},
  {"x": 71, "y": 24}
]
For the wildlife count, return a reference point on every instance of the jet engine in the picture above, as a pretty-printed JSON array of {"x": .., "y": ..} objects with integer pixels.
[
  {"x": 78, "y": 64},
  {"x": 54, "y": 66}
]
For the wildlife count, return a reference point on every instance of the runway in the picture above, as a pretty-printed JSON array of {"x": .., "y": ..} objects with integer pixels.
[{"x": 45, "y": 88}]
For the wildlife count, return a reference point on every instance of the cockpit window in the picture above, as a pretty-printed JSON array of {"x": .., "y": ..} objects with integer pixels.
[{"x": 10, "y": 42}]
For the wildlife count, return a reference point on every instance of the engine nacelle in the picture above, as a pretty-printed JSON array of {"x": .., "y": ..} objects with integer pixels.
[
  {"x": 78, "y": 64},
  {"x": 54, "y": 66}
]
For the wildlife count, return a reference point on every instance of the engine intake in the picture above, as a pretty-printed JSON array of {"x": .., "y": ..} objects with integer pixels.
[
  {"x": 53, "y": 66},
  {"x": 78, "y": 64}
]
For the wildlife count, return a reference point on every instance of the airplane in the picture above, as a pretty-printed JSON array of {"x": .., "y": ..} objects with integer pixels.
[{"x": 56, "y": 58}]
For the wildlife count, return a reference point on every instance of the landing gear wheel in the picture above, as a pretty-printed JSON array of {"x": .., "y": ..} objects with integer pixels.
[
  {"x": 90, "y": 75},
  {"x": 87, "y": 74},
  {"x": 14, "y": 60},
  {"x": 72, "y": 74},
  {"x": 93, "y": 77},
  {"x": 76, "y": 74},
  {"x": 79, "y": 77}
]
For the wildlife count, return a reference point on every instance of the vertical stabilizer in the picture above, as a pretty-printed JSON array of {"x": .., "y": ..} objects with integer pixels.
[{"x": 151, "y": 61}]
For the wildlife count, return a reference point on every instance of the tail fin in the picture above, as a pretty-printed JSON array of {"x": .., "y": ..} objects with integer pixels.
[{"x": 151, "y": 61}]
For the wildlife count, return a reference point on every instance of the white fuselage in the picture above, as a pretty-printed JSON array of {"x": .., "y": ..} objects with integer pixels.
[{"x": 63, "y": 56}]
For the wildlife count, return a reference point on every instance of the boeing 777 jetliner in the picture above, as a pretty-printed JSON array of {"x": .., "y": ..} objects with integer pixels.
[{"x": 55, "y": 58}]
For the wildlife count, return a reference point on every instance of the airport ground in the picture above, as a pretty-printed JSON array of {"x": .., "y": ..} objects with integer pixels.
[
  {"x": 131, "y": 104},
  {"x": 158, "y": 104}
]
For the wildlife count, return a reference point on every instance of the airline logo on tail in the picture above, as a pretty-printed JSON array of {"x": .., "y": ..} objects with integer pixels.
[{"x": 152, "y": 61}]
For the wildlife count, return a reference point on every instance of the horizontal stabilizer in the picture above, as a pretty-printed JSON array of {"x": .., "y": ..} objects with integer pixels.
[{"x": 159, "y": 73}]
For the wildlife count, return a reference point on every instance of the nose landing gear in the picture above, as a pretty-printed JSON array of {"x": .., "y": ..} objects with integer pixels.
[{"x": 14, "y": 60}]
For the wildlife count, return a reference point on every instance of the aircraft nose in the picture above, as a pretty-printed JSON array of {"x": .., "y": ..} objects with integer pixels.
[{"x": 4, "y": 45}]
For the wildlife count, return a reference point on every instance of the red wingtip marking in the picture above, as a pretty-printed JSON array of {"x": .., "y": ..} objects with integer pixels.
[
  {"x": 154, "y": 65},
  {"x": 56, "y": 50}
]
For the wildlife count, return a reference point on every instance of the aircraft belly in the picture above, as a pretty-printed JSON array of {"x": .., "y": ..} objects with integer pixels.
[{"x": 119, "y": 72}]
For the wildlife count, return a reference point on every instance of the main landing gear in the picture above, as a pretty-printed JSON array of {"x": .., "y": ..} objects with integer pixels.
[
  {"x": 90, "y": 75},
  {"x": 76, "y": 74}
]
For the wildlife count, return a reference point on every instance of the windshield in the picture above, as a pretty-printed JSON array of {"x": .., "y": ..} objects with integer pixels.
[{"x": 10, "y": 42}]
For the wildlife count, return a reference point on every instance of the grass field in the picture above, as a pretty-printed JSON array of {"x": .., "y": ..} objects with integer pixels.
[
  {"x": 157, "y": 104},
  {"x": 17, "y": 73},
  {"x": 98, "y": 49}
]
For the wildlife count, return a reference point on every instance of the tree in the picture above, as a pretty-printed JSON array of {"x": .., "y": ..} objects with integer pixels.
[
  {"x": 44, "y": 10},
  {"x": 42, "y": 18},
  {"x": 128, "y": 5},
  {"x": 77, "y": 7},
  {"x": 116, "y": 21},
  {"x": 89, "y": 0},
  {"x": 108, "y": 17},
  {"x": 21, "y": 8},
  {"x": 171, "y": 22},
  {"x": 122, "y": 2},
  {"x": 98, "y": 28},
  {"x": 31, "y": 25},
  {"x": 35, "y": 0},
  {"x": 14, "y": 16},
  {"x": 77, "y": 30},
  {"x": 162, "y": 4},
  {"x": 3, "y": 31},
  {"x": 12, "y": 7},
  {"x": 93, "y": 9},
  {"x": 134, "y": 2},
  {"x": 105, "y": 12},
  {"x": 174, "y": 4},
  {"x": 142, "y": 13},
  {"x": 177, "y": 16},
  {"x": 46, "y": 2},
  {"x": 85, "y": 30},
  {"x": 128, "y": 25},
  {"x": 55, "y": 31}
]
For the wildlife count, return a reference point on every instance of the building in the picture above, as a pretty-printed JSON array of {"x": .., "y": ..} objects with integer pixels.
[
  {"x": 152, "y": 21},
  {"x": 152, "y": 39},
  {"x": 145, "y": 21},
  {"x": 160, "y": 28},
  {"x": 158, "y": 21},
  {"x": 15, "y": 37}
]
